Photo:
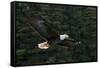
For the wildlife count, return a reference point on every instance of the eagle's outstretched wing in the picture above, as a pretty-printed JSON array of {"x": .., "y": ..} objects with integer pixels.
[{"x": 40, "y": 25}]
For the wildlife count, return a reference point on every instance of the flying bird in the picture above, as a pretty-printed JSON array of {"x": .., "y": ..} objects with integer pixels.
[{"x": 48, "y": 33}]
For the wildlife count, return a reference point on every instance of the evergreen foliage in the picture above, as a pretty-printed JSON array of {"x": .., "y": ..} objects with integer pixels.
[{"x": 77, "y": 21}]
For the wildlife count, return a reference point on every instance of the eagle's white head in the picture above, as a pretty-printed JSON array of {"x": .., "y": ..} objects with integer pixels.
[{"x": 64, "y": 36}]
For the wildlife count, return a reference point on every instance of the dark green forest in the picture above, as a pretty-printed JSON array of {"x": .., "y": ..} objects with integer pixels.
[{"x": 79, "y": 22}]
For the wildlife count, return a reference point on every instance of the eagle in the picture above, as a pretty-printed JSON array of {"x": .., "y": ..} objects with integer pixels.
[{"x": 48, "y": 33}]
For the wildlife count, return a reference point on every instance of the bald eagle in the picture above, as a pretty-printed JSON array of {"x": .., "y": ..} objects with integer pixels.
[{"x": 48, "y": 33}]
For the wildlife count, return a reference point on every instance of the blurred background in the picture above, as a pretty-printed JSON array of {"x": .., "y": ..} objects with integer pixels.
[{"x": 79, "y": 22}]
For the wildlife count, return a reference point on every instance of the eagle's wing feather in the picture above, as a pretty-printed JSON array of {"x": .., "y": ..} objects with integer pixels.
[{"x": 42, "y": 27}]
